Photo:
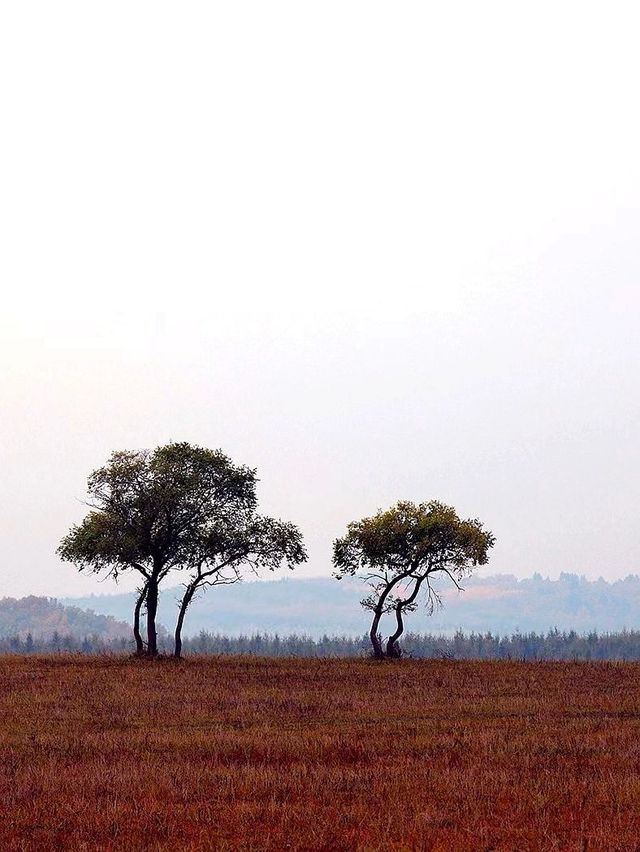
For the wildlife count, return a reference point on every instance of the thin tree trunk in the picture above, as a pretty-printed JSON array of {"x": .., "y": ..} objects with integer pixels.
[
  {"x": 136, "y": 621},
  {"x": 184, "y": 605},
  {"x": 378, "y": 651},
  {"x": 152, "y": 608},
  {"x": 393, "y": 649}
]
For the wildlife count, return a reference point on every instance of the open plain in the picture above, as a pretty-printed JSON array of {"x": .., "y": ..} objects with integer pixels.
[{"x": 248, "y": 753}]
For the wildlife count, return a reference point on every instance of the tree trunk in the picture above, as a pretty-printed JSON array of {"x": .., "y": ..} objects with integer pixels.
[
  {"x": 393, "y": 649},
  {"x": 184, "y": 605},
  {"x": 378, "y": 651},
  {"x": 152, "y": 608},
  {"x": 136, "y": 621}
]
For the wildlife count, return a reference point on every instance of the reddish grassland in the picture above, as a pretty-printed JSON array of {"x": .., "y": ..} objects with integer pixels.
[{"x": 242, "y": 753}]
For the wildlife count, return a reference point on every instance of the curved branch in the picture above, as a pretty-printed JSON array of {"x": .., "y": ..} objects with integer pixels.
[
  {"x": 452, "y": 578},
  {"x": 401, "y": 605}
]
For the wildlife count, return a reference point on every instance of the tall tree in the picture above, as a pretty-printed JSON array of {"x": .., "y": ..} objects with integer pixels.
[
  {"x": 234, "y": 541},
  {"x": 398, "y": 553},
  {"x": 149, "y": 513}
]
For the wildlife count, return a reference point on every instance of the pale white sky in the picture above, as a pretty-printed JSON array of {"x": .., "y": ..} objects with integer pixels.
[{"x": 377, "y": 250}]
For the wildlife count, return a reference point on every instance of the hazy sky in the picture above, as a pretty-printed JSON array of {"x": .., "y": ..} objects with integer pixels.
[{"x": 376, "y": 250}]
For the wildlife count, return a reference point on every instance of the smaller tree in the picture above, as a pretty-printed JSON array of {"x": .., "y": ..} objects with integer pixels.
[
  {"x": 398, "y": 553},
  {"x": 234, "y": 541}
]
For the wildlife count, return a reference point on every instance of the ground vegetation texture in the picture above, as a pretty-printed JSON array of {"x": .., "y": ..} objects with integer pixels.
[{"x": 245, "y": 753}]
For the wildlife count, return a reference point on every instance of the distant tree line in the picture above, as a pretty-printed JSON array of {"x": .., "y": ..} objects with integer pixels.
[
  {"x": 63, "y": 643},
  {"x": 553, "y": 645}
]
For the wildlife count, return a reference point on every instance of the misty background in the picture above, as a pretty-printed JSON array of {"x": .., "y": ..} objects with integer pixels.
[
  {"x": 316, "y": 607},
  {"x": 377, "y": 252}
]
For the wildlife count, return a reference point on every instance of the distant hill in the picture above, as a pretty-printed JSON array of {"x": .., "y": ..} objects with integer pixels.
[
  {"x": 501, "y": 604},
  {"x": 43, "y": 617}
]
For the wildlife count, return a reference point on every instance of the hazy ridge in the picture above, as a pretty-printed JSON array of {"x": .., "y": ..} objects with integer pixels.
[
  {"x": 43, "y": 617},
  {"x": 500, "y": 603}
]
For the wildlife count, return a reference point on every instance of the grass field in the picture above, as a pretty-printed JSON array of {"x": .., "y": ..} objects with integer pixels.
[{"x": 241, "y": 753}]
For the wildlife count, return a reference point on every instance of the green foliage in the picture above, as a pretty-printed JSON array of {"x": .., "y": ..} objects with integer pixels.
[
  {"x": 150, "y": 507},
  {"x": 397, "y": 551},
  {"x": 179, "y": 507},
  {"x": 412, "y": 538},
  {"x": 243, "y": 538}
]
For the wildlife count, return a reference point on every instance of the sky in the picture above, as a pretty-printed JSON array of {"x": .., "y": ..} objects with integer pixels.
[{"x": 377, "y": 251}]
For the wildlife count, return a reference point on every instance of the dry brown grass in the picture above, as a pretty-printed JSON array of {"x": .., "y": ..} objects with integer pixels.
[{"x": 242, "y": 753}]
